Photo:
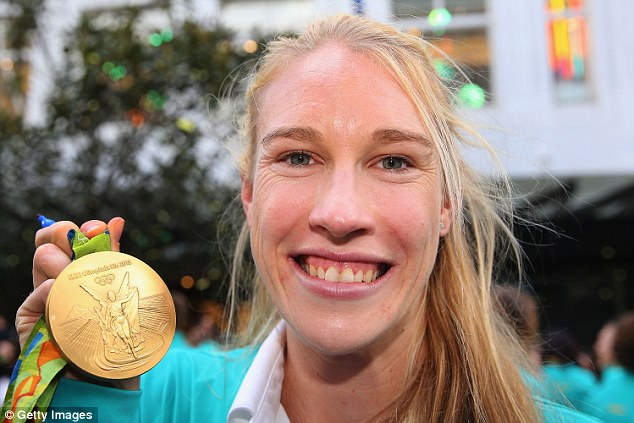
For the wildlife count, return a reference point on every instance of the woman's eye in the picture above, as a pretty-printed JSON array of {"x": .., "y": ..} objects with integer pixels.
[
  {"x": 299, "y": 159},
  {"x": 393, "y": 162}
]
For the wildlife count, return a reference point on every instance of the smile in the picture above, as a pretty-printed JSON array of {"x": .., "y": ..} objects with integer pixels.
[{"x": 344, "y": 272}]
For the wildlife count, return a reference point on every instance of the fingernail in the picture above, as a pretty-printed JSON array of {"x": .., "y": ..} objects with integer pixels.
[
  {"x": 93, "y": 229},
  {"x": 119, "y": 223}
]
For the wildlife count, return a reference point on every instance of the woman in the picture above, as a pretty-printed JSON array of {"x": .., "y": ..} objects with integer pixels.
[
  {"x": 521, "y": 311},
  {"x": 613, "y": 399},
  {"x": 568, "y": 382},
  {"x": 370, "y": 288}
]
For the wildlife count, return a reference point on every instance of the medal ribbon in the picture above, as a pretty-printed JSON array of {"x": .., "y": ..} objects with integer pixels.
[{"x": 36, "y": 372}]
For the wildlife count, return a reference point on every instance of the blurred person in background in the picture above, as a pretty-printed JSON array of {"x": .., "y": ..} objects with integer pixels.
[
  {"x": 565, "y": 380},
  {"x": 205, "y": 331},
  {"x": 9, "y": 351},
  {"x": 604, "y": 346},
  {"x": 521, "y": 310},
  {"x": 586, "y": 360},
  {"x": 613, "y": 399},
  {"x": 183, "y": 319},
  {"x": 197, "y": 326}
]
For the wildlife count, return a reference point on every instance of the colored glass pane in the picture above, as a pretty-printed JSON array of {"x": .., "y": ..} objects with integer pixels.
[{"x": 566, "y": 33}]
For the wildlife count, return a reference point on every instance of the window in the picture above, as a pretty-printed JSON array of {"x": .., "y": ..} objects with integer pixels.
[
  {"x": 566, "y": 35},
  {"x": 421, "y": 8},
  {"x": 458, "y": 29}
]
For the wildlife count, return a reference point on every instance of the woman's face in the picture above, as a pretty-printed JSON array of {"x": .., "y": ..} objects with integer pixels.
[{"x": 345, "y": 202}]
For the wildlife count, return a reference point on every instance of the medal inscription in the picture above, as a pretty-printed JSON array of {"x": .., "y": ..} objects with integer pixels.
[
  {"x": 112, "y": 316},
  {"x": 100, "y": 269}
]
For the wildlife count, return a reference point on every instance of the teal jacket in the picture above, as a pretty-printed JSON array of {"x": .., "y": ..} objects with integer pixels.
[
  {"x": 188, "y": 385},
  {"x": 197, "y": 386},
  {"x": 612, "y": 400},
  {"x": 568, "y": 383}
]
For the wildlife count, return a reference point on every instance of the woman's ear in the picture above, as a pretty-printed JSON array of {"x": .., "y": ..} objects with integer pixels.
[
  {"x": 246, "y": 195},
  {"x": 445, "y": 218}
]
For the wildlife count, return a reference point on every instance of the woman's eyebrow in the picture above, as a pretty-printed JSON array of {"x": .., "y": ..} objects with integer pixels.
[
  {"x": 388, "y": 136},
  {"x": 300, "y": 133}
]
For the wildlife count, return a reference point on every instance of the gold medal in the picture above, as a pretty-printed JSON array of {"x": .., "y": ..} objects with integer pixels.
[{"x": 111, "y": 315}]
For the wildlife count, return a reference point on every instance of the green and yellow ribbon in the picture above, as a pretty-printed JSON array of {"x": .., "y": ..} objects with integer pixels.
[{"x": 38, "y": 369}]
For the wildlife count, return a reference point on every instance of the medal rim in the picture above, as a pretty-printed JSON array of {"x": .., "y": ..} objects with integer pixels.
[{"x": 114, "y": 374}]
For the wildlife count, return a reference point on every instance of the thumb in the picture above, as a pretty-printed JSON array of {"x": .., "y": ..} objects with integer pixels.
[{"x": 115, "y": 228}]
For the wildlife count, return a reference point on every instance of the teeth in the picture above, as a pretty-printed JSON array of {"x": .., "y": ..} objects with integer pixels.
[
  {"x": 368, "y": 276},
  {"x": 347, "y": 275},
  {"x": 332, "y": 275}
]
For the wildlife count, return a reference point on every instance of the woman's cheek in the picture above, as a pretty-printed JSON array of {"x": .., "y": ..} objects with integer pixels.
[
  {"x": 282, "y": 194},
  {"x": 280, "y": 204}
]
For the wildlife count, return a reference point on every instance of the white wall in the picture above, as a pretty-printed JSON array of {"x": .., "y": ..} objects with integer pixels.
[{"x": 589, "y": 138}]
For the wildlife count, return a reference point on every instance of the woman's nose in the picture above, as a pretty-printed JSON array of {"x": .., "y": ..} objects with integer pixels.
[{"x": 342, "y": 207}]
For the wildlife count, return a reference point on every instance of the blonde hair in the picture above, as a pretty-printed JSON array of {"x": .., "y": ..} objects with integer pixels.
[{"x": 464, "y": 365}]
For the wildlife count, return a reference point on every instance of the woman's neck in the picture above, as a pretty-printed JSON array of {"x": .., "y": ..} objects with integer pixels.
[{"x": 353, "y": 387}]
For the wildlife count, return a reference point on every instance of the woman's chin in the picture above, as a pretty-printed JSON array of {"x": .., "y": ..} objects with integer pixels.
[{"x": 333, "y": 336}]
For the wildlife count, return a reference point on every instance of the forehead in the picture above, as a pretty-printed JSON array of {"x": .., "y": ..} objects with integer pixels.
[{"x": 333, "y": 86}]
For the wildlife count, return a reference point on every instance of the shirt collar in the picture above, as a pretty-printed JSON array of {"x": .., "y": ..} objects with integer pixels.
[{"x": 260, "y": 394}]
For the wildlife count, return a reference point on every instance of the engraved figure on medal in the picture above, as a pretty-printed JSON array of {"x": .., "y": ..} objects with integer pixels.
[{"x": 119, "y": 320}]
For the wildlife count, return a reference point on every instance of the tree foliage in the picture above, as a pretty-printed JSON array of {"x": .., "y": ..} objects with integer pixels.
[{"x": 133, "y": 130}]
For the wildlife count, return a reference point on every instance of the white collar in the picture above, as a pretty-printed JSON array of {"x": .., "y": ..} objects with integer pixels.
[{"x": 259, "y": 397}]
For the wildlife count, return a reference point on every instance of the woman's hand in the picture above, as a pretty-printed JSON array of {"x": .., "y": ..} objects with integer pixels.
[{"x": 53, "y": 253}]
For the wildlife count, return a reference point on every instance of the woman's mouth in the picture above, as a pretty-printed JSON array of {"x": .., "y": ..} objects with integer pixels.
[{"x": 341, "y": 271}]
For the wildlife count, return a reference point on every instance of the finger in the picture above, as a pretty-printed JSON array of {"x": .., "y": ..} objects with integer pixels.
[
  {"x": 48, "y": 262},
  {"x": 115, "y": 227},
  {"x": 56, "y": 234},
  {"x": 31, "y": 310},
  {"x": 93, "y": 228}
]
